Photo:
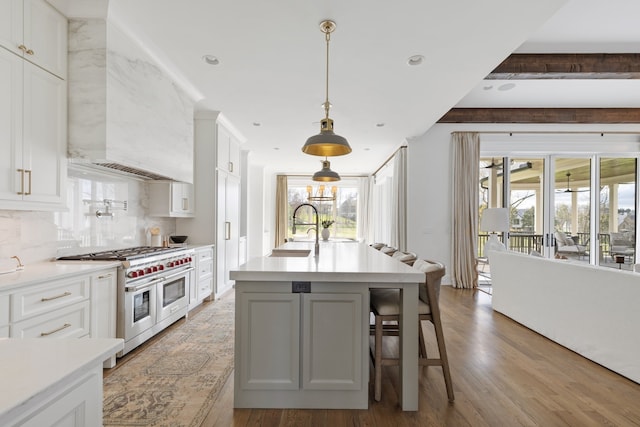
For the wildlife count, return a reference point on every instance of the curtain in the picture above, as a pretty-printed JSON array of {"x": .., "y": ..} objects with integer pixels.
[
  {"x": 365, "y": 209},
  {"x": 399, "y": 201},
  {"x": 466, "y": 159},
  {"x": 282, "y": 210}
]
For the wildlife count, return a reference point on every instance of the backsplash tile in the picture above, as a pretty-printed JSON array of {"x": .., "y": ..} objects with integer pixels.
[{"x": 41, "y": 236}]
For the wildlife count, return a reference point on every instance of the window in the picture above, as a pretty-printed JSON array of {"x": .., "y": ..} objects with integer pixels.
[{"x": 342, "y": 209}]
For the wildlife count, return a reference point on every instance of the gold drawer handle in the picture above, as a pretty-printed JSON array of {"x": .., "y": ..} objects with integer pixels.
[
  {"x": 22, "y": 47},
  {"x": 66, "y": 294},
  {"x": 104, "y": 277},
  {"x": 65, "y": 326}
]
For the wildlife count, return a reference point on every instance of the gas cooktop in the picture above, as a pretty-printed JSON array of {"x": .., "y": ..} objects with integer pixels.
[{"x": 121, "y": 254}]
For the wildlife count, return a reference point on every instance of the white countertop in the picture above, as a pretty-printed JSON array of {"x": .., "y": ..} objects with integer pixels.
[
  {"x": 30, "y": 368},
  {"x": 51, "y": 270},
  {"x": 337, "y": 262}
]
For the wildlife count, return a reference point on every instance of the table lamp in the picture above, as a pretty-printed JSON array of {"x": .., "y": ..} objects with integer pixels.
[{"x": 494, "y": 220}]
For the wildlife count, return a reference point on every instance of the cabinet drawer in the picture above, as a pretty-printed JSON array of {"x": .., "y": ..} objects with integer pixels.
[
  {"x": 4, "y": 310},
  {"x": 67, "y": 322},
  {"x": 205, "y": 287},
  {"x": 36, "y": 300},
  {"x": 205, "y": 254},
  {"x": 205, "y": 269}
]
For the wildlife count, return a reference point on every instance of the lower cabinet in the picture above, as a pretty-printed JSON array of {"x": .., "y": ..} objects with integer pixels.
[
  {"x": 4, "y": 316},
  {"x": 78, "y": 405},
  {"x": 201, "y": 286},
  {"x": 305, "y": 350}
]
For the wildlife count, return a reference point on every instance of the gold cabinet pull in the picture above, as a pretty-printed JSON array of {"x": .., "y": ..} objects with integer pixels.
[
  {"x": 21, "y": 181},
  {"x": 29, "y": 52},
  {"x": 66, "y": 294},
  {"x": 106, "y": 276},
  {"x": 185, "y": 204},
  {"x": 28, "y": 172},
  {"x": 227, "y": 230},
  {"x": 65, "y": 326},
  {"x": 22, "y": 47},
  {"x": 230, "y": 166}
]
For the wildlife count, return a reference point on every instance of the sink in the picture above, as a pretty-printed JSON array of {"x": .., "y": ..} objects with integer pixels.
[{"x": 300, "y": 253}]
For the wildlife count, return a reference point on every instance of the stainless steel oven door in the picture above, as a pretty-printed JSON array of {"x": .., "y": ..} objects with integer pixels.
[
  {"x": 140, "y": 308},
  {"x": 173, "y": 294}
]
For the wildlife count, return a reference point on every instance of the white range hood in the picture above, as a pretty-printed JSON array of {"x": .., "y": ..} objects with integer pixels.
[{"x": 125, "y": 112}]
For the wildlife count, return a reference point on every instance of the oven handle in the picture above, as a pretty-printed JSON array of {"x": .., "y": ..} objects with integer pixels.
[
  {"x": 143, "y": 286},
  {"x": 180, "y": 273}
]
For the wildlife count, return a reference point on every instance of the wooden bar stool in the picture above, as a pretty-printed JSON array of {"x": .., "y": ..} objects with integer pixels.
[
  {"x": 407, "y": 257},
  {"x": 385, "y": 305},
  {"x": 389, "y": 250}
]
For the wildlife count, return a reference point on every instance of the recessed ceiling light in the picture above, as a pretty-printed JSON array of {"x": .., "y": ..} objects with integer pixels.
[
  {"x": 367, "y": 149},
  {"x": 257, "y": 124},
  {"x": 487, "y": 87},
  {"x": 415, "y": 60},
  {"x": 211, "y": 60},
  {"x": 380, "y": 125},
  {"x": 506, "y": 86},
  {"x": 276, "y": 148}
]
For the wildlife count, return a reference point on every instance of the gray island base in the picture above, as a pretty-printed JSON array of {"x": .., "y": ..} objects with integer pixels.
[{"x": 302, "y": 327}]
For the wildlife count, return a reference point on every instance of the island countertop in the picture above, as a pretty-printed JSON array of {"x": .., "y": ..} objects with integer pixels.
[{"x": 343, "y": 262}]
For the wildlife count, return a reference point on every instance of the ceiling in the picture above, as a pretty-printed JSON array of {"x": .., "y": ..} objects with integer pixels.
[{"x": 271, "y": 77}]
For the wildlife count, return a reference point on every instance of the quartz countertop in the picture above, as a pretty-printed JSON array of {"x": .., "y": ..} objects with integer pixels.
[
  {"x": 51, "y": 270},
  {"x": 337, "y": 262},
  {"x": 29, "y": 368}
]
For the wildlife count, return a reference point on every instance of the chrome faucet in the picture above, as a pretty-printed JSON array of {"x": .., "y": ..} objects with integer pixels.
[{"x": 316, "y": 224}]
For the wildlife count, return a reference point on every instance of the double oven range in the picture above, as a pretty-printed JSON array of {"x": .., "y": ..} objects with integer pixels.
[{"x": 153, "y": 289}]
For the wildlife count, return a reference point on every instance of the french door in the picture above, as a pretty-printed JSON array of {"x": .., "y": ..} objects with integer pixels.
[{"x": 578, "y": 207}]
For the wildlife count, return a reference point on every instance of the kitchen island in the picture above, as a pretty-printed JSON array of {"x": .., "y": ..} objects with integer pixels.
[{"x": 302, "y": 326}]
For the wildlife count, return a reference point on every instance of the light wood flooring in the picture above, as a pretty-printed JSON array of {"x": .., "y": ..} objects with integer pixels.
[{"x": 503, "y": 375}]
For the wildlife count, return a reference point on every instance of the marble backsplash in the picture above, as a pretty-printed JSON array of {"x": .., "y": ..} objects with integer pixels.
[{"x": 42, "y": 236}]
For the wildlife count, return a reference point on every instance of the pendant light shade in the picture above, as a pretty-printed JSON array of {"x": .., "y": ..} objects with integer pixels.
[
  {"x": 326, "y": 143},
  {"x": 326, "y": 174}
]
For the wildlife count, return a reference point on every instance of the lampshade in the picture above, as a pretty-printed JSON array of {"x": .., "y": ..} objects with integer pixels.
[
  {"x": 326, "y": 174},
  {"x": 495, "y": 220},
  {"x": 326, "y": 143}
]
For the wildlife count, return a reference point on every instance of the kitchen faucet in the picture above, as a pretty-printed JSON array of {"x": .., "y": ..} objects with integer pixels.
[{"x": 316, "y": 224}]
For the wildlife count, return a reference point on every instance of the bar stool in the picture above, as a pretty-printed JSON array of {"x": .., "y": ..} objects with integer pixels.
[
  {"x": 389, "y": 250},
  {"x": 407, "y": 257},
  {"x": 385, "y": 305}
]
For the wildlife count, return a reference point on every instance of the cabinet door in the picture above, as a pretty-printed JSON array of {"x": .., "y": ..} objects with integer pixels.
[
  {"x": 11, "y": 25},
  {"x": 223, "y": 149},
  {"x": 10, "y": 124},
  {"x": 232, "y": 209},
  {"x": 181, "y": 199},
  {"x": 234, "y": 156},
  {"x": 332, "y": 342},
  {"x": 269, "y": 339},
  {"x": 103, "y": 303},
  {"x": 44, "y": 138},
  {"x": 45, "y": 37}
]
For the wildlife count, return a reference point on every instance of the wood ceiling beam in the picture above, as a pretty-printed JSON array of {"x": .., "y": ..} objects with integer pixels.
[
  {"x": 542, "y": 115},
  {"x": 525, "y": 66}
]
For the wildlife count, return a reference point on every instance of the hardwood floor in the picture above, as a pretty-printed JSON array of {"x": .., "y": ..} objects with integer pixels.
[{"x": 503, "y": 375}]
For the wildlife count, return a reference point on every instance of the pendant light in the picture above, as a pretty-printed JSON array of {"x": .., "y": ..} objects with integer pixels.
[
  {"x": 326, "y": 143},
  {"x": 326, "y": 174}
]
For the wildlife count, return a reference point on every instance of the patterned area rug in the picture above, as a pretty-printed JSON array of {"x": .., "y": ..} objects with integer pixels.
[{"x": 175, "y": 379}]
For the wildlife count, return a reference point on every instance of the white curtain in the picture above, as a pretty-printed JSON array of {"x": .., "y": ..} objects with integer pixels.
[
  {"x": 399, "y": 201},
  {"x": 365, "y": 209},
  {"x": 282, "y": 210},
  {"x": 466, "y": 159}
]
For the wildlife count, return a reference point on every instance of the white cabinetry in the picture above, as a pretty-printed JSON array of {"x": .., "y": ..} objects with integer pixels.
[
  {"x": 104, "y": 298},
  {"x": 228, "y": 151},
  {"x": 171, "y": 199},
  {"x": 305, "y": 348},
  {"x": 217, "y": 218},
  {"x": 33, "y": 124},
  {"x": 204, "y": 273},
  {"x": 36, "y": 32},
  {"x": 4, "y": 316},
  {"x": 58, "y": 309}
]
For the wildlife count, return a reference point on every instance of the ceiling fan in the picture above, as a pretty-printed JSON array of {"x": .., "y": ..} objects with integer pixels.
[{"x": 568, "y": 189}]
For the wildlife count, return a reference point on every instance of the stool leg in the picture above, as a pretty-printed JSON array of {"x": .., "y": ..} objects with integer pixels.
[
  {"x": 443, "y": 356},
  {"x": 423, "y": 347},
  {"x": 377, "y": 362}
]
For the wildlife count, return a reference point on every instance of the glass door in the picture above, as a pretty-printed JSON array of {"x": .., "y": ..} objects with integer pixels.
[
  {"x": 571, "y": 226},
  {"x": 526, "y": 213},
  {"x": 617, "y": 202}
]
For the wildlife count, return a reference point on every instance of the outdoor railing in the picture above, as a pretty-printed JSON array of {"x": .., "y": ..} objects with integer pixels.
[{"x": 526, "y": 243}]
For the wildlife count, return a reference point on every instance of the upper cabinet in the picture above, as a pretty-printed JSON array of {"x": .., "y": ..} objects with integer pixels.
[
  {"x": 35, "y": 31},
  {"x": 228, "y": 151},
  {"x": 33, "y": 124},
  {"x": 171, "y": 199}
]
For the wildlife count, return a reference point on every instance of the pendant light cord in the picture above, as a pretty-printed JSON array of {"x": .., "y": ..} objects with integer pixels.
[{"x": 327, "y": 36}]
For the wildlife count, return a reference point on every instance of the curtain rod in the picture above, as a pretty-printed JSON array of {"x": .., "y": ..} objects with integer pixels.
[
  {"x": 389, "y": 159},
  {"x": 545, "y": 132}
]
